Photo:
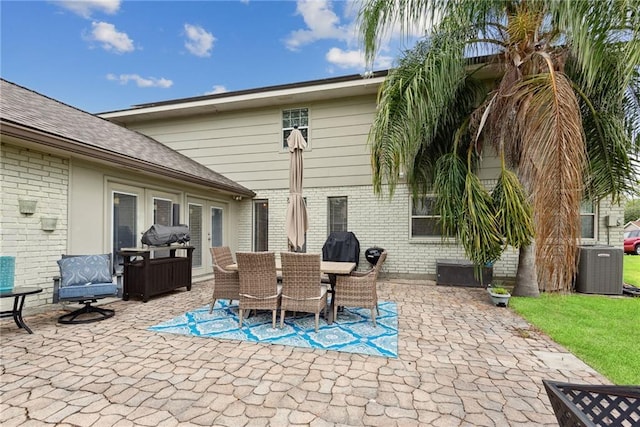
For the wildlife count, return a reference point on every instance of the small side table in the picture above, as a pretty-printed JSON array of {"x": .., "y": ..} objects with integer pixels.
[{"x": 19, "y": 294}]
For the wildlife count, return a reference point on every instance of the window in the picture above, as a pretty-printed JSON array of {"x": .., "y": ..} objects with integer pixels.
[
  {"x": 216, "y": 227},
  {"x": 260, "y": 225},
  {"x": 195, "y": 231},
  {"x": 162, "y": 211},
  {"x": 587, "y": 220},
  {"x": 337, "y": 214},
  {"x": 125, "y": 216},
  {"x": 295, "y": 117},
  {"x": 424, "y": 220}
]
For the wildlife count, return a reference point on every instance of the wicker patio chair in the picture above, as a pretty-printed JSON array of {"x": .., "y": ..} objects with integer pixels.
[
  {"x": 221, "y": 255},
  {"x": 358, "y": 290},
  {"x": 259, "y": 288},
  {"x": 301, "y": 287},
  {"x": 594, "y": 405},
  {"x": 226, "y": 283}
]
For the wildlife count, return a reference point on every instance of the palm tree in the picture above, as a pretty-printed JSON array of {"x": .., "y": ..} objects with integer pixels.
[{"x": 561, "y": 111}]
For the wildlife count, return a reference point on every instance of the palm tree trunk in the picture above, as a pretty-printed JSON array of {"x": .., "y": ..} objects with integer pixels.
[{"x": 526, "y": 277}]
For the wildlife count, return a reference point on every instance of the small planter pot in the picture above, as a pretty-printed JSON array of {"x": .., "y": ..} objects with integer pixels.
[
  {"x": 48, "y": 224},
  {"x": 27, "y": 207},
  {"x": 500, "y": 300}
]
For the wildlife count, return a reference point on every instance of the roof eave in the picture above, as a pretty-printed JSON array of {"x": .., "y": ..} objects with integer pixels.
[{"x": 67, "y": 145}]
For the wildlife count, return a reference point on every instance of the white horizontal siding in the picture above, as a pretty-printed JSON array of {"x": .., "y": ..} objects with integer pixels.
[{"x": 246, "y": 146}]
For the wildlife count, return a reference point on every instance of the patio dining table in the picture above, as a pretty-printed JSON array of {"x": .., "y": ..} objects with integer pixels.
[{"x": 327, "y": 267}]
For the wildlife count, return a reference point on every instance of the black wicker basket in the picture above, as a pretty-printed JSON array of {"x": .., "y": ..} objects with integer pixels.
[{"x": 594, "y": 405}]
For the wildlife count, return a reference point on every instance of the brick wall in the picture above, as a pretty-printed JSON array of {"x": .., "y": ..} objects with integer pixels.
[
  {"x": 375, "y": 222},
  {"x": 27, "y": 174},
  {"x": 385, "y": 223}
]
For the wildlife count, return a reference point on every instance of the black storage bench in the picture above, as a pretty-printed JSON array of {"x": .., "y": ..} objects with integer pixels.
[
  {"x": 145, "y": 276},
  {"x": 461, "y": 272}
]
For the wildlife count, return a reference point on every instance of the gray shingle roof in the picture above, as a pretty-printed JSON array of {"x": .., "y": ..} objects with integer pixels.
[{"x": 24, "y": 107}]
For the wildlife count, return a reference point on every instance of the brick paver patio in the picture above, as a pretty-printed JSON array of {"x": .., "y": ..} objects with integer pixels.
[{"x": 462, "y": 362}]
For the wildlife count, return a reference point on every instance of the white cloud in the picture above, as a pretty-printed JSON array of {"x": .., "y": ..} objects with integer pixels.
[
  {"x": 111, "y": 39},
  {"x": 141, "y": 81},
  {"x": 200, "y": 41},
  {"x": 345, "y": 58},
  {"x": 217, "y": 89},
  {"x": 354, "y": 59},
  {"x": 322, "y": 23},
  {"x": 85, "y": 8}
]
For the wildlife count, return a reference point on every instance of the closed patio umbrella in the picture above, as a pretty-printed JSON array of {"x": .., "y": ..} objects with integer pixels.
[{"x": 297, "y": 223}]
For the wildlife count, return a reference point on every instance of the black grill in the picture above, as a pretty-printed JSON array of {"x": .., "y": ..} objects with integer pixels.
[
  {"x": 373, "y": 255},
  {"x": 342, "y": 246}
]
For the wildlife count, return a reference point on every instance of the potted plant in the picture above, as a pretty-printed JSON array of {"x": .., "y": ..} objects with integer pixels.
[{"x": 499, "y": 295}]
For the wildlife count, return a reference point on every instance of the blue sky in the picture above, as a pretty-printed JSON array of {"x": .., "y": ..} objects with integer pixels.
[{"x": 104, "y": 55}]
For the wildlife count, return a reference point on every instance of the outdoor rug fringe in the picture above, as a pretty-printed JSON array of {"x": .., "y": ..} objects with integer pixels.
[{"x": 353, "y": 332}]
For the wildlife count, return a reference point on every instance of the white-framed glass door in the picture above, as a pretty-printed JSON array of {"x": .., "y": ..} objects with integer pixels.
[
  {"x": 207, "y": 228},
  {"x": 126, "y": 219}
]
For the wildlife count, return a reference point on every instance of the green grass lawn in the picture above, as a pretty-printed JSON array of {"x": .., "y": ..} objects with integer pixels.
[
  {"x": 631, "y": 267},
  {"x": 602, "y": 331}
]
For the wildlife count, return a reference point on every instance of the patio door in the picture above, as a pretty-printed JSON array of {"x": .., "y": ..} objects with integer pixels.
[
  {"x": 207, "y": 227},
  {"x": 126, "y": 220}
]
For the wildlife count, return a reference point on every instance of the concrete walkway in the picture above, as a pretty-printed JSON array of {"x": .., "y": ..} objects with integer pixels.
[{"x": 462, "y": 362}]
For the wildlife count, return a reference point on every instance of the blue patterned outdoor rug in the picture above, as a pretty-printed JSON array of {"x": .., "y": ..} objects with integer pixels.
[{"x": 353, "y": 332}]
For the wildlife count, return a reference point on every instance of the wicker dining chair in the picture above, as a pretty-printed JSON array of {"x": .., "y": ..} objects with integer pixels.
[
  {"x": 222, "y": 256},
  {"x": 226, "y": 283},
  {"x": 358, "y": 290},
  {"x": 259, "y": 289},
  {"x": 301, "y": 287}
]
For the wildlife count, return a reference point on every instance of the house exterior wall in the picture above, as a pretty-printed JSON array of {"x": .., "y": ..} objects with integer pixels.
[
  {"x": 78, "y": 193},
  {"x": 90, "y": 206},
  {"x": 609, "y": 235},
  {"x": 375, "y": 222},
  {"x": 32, "y": 175},
  {"x": 246, "y": 146}
]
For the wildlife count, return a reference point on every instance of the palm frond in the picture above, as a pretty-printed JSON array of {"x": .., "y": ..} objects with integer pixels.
[
  {"x": 478, "y": 230},
  {"x": 514, "y": 214},
  {"x": 591, "y": 27},
  {"x": 449, "y": 184},
  {"x": 610, "y": 114},
  {"x": 377, "y": 17},
  {"x": 554, "y": 138},
  {"x": 415, "y": 101}
]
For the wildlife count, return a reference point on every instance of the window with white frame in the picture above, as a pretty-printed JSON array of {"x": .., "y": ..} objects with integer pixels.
[
  {"x": 425, "y": 222},
  {"x": 162, "y": 211},
  {"x": 336, "y": 214},
  {"x": 295, "y": 117},
  {"x": 217, "y": 226},
  {"x": 124, "y": 227},
  {"x": 587, "y": 220},
  {"x": 260, "y": 225}
]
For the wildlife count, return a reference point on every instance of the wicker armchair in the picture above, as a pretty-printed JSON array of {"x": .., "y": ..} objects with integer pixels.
[
  {"x": 358, "y": 290},
  {"x": 226, "y": 283},
  {"x": 301, "y": 287},
  {"x": 259, "y": 288}
]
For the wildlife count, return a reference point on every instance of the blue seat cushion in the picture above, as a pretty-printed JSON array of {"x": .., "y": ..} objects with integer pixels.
[
  {"x": 84, "y": 270},
  {"x": 93, "y": 290}
]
